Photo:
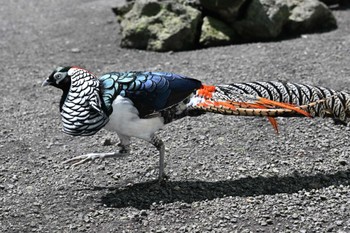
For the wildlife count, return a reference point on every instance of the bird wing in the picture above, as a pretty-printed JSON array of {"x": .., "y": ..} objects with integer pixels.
[{"x": 149, "y": 91}]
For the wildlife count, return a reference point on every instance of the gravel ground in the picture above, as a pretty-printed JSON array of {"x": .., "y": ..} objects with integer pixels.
[{"x": 227, "y": 174}]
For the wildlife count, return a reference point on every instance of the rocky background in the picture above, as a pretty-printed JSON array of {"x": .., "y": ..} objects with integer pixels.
[
  {"x": 162, "y": 25},
  {"x": 227, "y": 174}
]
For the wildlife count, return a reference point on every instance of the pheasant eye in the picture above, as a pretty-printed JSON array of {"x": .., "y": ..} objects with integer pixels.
[{"x": 58, "y": 77}]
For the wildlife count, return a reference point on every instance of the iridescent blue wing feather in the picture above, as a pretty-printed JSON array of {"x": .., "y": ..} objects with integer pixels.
[{"x": 149, "y": 91}]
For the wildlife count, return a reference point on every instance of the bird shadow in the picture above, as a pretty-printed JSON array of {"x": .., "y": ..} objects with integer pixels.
[{"x": 143, "y": 195}]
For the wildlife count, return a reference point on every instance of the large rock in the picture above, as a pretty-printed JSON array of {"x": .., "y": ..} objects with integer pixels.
[
  {"x": 227, "y": 10},
  {"x": 263, "y": 20},
  {"x": 160, "y": 26},
  {"x": 309, "y": 16},
  {"x": 163, "y": 25},
  {"x": 193, "y": 3},
  {"x": 215, "y": 33}
]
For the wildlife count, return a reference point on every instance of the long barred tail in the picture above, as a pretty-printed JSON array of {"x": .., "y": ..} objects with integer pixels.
[
  {"x": 273, "y": 99},
  {"x": 318, "y": 101}
]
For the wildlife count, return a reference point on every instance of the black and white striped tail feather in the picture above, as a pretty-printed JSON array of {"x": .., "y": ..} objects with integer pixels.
[{"x": 318, "y": 101}]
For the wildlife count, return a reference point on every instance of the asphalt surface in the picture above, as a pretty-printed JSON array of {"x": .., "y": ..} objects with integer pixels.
[{"x": 226, "y": 174}]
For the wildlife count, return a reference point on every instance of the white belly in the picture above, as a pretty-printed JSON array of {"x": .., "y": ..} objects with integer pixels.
[{"x": 125, "y": 120}]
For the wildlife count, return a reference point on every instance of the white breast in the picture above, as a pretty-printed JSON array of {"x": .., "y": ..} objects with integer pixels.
[{"x": 125, "y": 120}]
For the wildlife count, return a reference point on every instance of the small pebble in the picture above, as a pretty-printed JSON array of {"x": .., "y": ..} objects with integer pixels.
[
  {"x": 143, "y": 213},
  {"x": 107, "y": 142},
  {"x": 343, "y": 162},
  {"x": 75, "y": 50},
  {"x": 339, "y": 222}
]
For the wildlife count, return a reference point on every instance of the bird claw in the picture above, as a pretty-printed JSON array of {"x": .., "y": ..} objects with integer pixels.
[
  {"x": 78, "y": 160},
  {"x": 163, "y": 179}
]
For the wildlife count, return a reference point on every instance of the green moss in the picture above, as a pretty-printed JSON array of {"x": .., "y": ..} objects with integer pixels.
[{"x": 215, "y": 32}]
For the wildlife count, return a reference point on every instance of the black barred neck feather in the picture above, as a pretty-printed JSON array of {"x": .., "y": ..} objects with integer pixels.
[
  {"x": 65, "y": 88},
  {"x": 81, "y": 109}
]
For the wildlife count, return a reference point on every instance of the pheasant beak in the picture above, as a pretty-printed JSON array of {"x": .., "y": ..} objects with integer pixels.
[{"x": 46, "y": 83}]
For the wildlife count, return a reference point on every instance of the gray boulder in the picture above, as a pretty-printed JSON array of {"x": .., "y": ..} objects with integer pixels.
[
  {"x": 263, "y": 20},
  {"x": 215, "y": 33},
  {"x": 309, "y": 16},
  {"x": 163, "y": 25},
  {"x": 227, "y": 10},
  {"x": 160, "y": 26}
]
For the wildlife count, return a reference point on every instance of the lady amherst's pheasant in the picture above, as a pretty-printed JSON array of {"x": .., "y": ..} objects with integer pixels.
[{"x": 138, "y": 104}]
